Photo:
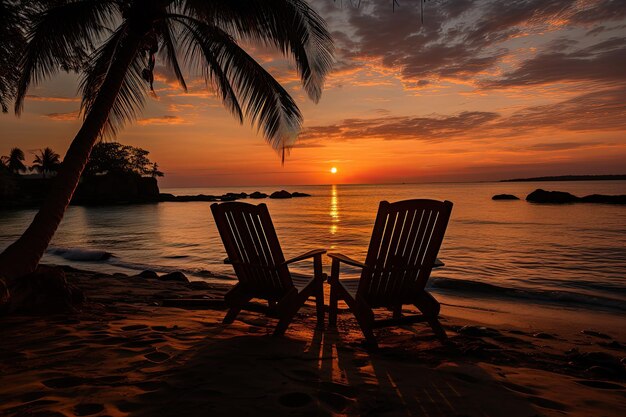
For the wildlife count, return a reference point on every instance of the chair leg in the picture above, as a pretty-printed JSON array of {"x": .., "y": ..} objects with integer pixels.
[
  {"x": 319, "y": 304},
  {"x": 370, "y": 339},
  {"x": 231, "y": 315},
  {"x": 333, "y": 307},
  {"x": 430, "y": 308},
  {"x": 397, "y": 312},
  {"x": 438, "y": 329}
]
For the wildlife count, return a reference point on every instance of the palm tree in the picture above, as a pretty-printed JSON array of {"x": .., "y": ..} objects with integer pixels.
[
  {"x": 14, "y": 161},
  {"x": 47, "y": 161},
  {"x": 123, "y": 38}
]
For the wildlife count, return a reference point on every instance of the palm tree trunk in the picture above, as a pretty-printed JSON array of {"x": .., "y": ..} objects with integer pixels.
[{"x": 23, "y": 256}]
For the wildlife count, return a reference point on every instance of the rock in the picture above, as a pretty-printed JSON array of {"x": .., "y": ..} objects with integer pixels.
[
  {"x": 477, "y": 331},
  {"x": 297, "y": 194},
  {"x": 281, "y": 194},
  {"x": 4, "y": 293},
  {"x": 560, "y": 197},
  {"x": 602, "y": 372},
  {"x": 148, "y": 274},
  {"x": 167, "y": 197},
  {"x": 186, "y": 198},
  {"x": 598, "y": 359},
  {"x": 504, "y": 197},
  {"x": 44, "y": 291},
  {"x": 604, "y": 199},
  {"x": 596, "y": 334},
  {"x": 233, "y": 196},
  {"x": 542, "y": 335},
  {"x": 258, "y": 194},
  {"x": 174, "y": 276},
  {"x": 552, "y": 197}
]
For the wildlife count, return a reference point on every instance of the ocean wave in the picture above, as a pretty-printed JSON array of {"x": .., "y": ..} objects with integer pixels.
[
  {"x": 569, "y": 298},
  {"x": 197, "y": 272},
  {"x": 82, "y": 255}
]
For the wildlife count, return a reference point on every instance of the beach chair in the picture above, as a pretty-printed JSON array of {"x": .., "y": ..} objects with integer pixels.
[
  {"x": 263, "y": 273},
  {"x": 403, "y": 250}
]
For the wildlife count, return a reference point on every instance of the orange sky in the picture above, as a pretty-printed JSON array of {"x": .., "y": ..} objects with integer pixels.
[{"x": 484, "y": 90}]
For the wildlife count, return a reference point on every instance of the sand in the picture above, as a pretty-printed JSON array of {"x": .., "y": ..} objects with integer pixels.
[{"x": 123, "y": 354}]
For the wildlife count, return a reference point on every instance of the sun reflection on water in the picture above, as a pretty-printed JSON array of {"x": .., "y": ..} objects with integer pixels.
[{"x": 334, "y": 210}]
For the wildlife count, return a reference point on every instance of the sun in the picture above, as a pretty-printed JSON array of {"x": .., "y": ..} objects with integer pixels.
[{"x": 333, "y": 170}]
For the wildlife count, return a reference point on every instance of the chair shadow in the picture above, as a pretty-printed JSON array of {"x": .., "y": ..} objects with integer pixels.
[{"x": 313, "y": 373}]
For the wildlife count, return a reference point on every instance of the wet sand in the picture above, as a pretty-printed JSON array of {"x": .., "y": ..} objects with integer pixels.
[{"x": 123, "y": 354}]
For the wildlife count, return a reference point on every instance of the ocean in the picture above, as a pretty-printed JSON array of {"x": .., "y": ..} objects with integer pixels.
[{"x": 571, "y": 255}]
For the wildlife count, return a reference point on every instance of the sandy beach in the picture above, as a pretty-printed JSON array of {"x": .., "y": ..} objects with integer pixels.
[{"x": 124, "y": 354}]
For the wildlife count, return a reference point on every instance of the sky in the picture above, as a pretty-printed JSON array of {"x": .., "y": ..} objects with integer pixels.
[{"x": 481, "y": 90}]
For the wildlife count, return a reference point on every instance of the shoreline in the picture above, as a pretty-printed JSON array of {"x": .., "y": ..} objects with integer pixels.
[{"x": 124, "y": 354}]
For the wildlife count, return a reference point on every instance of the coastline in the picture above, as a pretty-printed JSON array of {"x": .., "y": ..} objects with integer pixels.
[{"x": 124, "y": 354}]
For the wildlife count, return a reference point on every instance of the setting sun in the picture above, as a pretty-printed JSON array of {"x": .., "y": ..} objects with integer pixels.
[{"x": 333, "y": 170}]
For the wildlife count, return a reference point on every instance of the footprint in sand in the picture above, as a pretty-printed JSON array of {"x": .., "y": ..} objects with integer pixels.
[
  {"x": 599, "y": 384},
  {"x": 549, "y": 404},
  {"x": 157, "y": 357},
  {"x": 87, "y": 409},
  {"x": 64, "y": 382},
  {"x": 336, "y": 401},
  {"x": 134, "y": 327},
  {"x": 295, "y": 399}
]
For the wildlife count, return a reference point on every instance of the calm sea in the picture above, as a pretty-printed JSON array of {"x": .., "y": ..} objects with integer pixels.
[{"x": 573, "y": 255}]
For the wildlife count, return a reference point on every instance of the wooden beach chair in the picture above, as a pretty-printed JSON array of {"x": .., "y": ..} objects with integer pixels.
[
  {"x": 263, "y": 273},
  {"x": 403, "y": 250}
]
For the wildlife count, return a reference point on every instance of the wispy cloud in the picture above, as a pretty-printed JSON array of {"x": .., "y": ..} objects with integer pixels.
[
  {"x": 161, "y": 120},
  {"x": 63, "y": 117}
]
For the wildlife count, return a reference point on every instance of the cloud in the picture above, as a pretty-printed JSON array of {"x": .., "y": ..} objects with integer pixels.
[
  {"x": 602, "y": 62},
  {"x": 471, "y": 41},
  {"x": 402, "y": 128},
  {"x": 63, "y": 117},
  {"x": 601, "y": 111},
  {"x": 54, "y": 99},
  {"x": 161, "y": 120}
]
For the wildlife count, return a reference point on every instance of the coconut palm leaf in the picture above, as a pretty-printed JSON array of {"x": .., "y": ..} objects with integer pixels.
[
  {"x": 265, "y": 102},
  {"x": 60, "y": 37},
  {"x": 131, "y": 97},
  {"x": 304, "y": 37}
]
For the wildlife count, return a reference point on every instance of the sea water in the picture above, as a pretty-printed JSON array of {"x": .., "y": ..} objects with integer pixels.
[{"x": 572, "y": 255}]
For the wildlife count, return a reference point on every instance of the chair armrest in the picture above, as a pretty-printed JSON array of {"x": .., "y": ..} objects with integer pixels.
[
  {"x": 346, "y": 260},
  {"x": 309, "y": 254}
]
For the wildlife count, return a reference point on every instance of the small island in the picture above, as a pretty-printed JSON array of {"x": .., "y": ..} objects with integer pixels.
[
  {"x": 116, "y": 174},
  {"x": 620, "y": 177}
]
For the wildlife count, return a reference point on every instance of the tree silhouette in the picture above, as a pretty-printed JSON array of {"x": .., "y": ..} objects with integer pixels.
[
  {"x": 14, "y": 161},
  {"x": 128, "y": 34},
  {"x": 46, "y": 162}
]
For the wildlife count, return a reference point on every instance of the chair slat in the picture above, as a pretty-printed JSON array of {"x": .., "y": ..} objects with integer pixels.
[{"x": 405, "y": 241}]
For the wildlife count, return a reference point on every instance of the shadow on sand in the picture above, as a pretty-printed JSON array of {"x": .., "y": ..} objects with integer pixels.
[{"x": 318, "y": 374}]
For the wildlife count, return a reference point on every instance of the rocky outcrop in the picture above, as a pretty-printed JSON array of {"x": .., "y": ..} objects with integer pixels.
[
  {"x": 281, "y": 194},
  {"x": 504, "y": 197},
  {"x": 116, "y": 188},
  {"x": 298, "y": 194},
  {"x": 45, "y": 291},
  {"x": 604, "y": 199},
  {"x": 258, "y": 194},
  {"x": 174, "y": 276},
  {"x": 186, "y": 198},
  {"x": 560, "y": 197}
]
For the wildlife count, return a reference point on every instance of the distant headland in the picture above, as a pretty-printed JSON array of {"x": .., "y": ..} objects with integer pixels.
[{"x": 620, "y": 177}]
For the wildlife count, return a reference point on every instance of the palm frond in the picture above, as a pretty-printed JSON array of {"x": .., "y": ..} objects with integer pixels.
[
  {"x": 241, "y": 79},
  {"x": 171, "y": 58},
  {"x": 290, "y": 25},
  {"x": 61, "y": 37},
  {"x": 131, "y": 97}
]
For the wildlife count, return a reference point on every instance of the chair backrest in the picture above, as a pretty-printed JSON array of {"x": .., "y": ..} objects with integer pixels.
[
  {"x": 253, "y": 248},
  {"x": 405, "y": 241}
]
